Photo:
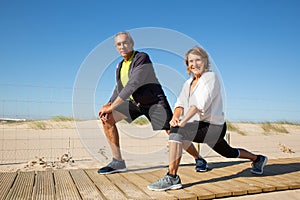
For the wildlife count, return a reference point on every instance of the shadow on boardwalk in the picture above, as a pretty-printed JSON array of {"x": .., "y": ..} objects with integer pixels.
[{"x": 269, "y": 170}]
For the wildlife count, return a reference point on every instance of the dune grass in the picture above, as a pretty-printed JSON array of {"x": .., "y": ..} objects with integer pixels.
[
  {"x": 268, "y": 127},
  {"x": 231, "y": 127},
  {"x": 288, "y": 123},
  {"x": 38, "y": 125},
  {"x": 44, "y": 124},
  {"x": 62, "y": 118}
]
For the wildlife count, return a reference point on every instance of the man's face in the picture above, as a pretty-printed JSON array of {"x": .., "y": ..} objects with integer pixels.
[{"x": 123, "y": 45}]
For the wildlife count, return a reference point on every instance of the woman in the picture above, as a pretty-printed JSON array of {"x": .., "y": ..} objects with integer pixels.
[{"x": 199, "y": 117}]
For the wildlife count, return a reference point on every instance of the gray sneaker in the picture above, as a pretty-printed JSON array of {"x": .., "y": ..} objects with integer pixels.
[
  {"x": 166, "y": 183},
  {"x": 258, "y": 165},
  {"x": 113, "y": 167}
]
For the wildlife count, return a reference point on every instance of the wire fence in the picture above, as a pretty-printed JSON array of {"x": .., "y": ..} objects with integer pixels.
[{"x": 29, "y": 128}]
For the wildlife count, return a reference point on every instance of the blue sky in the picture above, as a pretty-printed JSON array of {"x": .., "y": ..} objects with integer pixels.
[{"x": 254, "y": 44}]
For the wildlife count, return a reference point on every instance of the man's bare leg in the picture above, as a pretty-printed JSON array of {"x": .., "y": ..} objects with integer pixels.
[{"x": 112, "y": 134}]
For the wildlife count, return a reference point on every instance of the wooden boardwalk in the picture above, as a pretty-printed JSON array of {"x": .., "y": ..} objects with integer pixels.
[{"x": 224, "y": 180}]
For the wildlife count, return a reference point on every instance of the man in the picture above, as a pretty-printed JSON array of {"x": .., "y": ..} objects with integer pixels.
[{"x": 137, "y": 92}]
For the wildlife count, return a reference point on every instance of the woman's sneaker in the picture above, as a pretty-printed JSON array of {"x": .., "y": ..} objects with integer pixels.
[
  {"x": 258, "y": 165},
  {"x": 201, "y": 165},
  {"x": 166, "y": 183},
  {"x": 113, "y": 167}
]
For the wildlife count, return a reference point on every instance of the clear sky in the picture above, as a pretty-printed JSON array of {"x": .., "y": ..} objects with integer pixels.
[{"x": 254, "y": 44}]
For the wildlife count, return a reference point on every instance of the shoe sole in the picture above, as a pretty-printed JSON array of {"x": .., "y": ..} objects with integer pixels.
[
  {"x": 173, "y": 187},
  {"x": 114, "y": 171},
  {"x": 203, "y": 170},
  {"x": 262, "y": 168}
]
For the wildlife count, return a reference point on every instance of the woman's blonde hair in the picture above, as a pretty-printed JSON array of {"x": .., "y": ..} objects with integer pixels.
[{"x": 200, "y": 52}]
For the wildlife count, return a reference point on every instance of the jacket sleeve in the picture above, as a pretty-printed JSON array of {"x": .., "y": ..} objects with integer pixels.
[
  {"x": 142, "y": 73},
  {"x": 115, "y": 92}
]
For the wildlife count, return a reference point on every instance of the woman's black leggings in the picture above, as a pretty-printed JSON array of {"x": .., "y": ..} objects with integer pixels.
[{"x": 204, "y": 132}]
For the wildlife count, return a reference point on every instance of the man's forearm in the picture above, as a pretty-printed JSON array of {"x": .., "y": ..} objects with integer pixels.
[{"x": 118, "y": 101}]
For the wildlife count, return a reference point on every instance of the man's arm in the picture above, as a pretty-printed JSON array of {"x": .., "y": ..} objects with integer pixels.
[{"x": 108, "y": 108}]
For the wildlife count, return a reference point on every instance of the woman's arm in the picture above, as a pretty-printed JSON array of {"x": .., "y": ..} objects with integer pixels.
[
  {"x": 190, "y": 113},
  {"x": 175, "y": 119}
]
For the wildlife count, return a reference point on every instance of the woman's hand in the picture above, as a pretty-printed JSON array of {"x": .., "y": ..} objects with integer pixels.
[
  {"x": 181, "y": 123},
  {"x": 174, "y": 122}
]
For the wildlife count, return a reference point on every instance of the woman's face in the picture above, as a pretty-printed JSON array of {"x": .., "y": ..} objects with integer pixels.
[{"x": 196, "y": 64}]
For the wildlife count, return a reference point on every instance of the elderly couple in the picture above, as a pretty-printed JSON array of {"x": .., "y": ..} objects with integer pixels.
[{"x": 198, "y": 114}]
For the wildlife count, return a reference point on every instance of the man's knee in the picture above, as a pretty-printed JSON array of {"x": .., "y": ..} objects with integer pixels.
[{"x": 110, "y": 122}]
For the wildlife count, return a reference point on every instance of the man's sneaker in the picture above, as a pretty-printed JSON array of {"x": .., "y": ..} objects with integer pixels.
[
  {"x": 201, "y": 165},
  {"x": 166, "y": 183},
  {"x": 113, "y": 167},
  {"x": 258, "y": 165}
]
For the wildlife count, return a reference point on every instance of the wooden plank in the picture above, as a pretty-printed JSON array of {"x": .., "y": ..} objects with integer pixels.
[
  {"x": 230, "y": 182},
  {"x": 288, "y": 162},
  {"x": 44, "y": 186},
  {"x": 276, "y": 170},
  {"x": 203, "y": 180},
  {"x": 258, "y": 180},
  {"x": 6, "y": 181},
  {"x": 22, "y": 187},
  {"x": 180, "y": 194},
  {"x": 295, "y": 178},
  {"x": 65, "y": 187},
  {"x": 285, "y": 171},
  {"x": 142, "y": 184},
  {"x": 128, "y": 188},
  {"x": 107, "y": 188},
  {"x": 256, "y": 184},
  {"x": 85, "y": 186},
  {"x": 289, "y": 180},
  {"x": 191, "y": 184},
  {"x": 240, "y": 178}
]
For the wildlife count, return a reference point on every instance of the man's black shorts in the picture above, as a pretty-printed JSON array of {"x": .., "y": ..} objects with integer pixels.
[{"x": 159, "y": 113}]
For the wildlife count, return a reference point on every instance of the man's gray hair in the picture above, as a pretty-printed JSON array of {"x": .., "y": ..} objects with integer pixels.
[{"x": 125, "y": 33}]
